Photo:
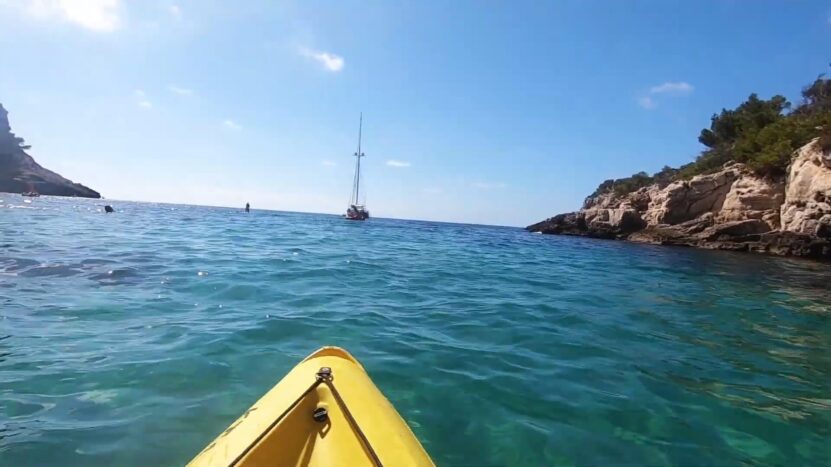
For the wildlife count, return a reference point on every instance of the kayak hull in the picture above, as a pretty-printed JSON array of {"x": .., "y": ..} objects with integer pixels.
[{"x": 315, "y": 417}]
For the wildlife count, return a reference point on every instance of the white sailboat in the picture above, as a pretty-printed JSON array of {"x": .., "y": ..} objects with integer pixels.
[{"x": 357, "y": 211}]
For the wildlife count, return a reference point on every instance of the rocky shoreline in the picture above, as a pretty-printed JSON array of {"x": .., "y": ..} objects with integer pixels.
[
  {"x": 19, "y": 173},
  {"x": 730, "y": 209}
]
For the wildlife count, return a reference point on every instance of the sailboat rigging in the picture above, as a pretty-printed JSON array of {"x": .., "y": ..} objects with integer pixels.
[{"x": 356, "y": 210}]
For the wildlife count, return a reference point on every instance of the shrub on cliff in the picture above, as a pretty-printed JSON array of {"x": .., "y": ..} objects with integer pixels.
[
  {"x": 665, "y": 176},
  {"x": 816, "y": 98},
  {"x": 622, "y": 186},
  {"x": 9, "y": 142},
  {"x": 760, "y": 133},
  {"x": 756, "y": 133}
]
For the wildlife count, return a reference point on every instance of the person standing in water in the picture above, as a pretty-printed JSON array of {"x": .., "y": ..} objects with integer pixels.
[{"x": 247, "y": 207}]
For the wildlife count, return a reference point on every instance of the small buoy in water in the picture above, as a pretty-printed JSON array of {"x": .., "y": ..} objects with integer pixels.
[{"x": 108, "y": 209}]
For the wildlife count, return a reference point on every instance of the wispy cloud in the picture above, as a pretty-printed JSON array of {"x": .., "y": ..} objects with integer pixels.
[
  {"x": 180, "y": 90},
  {"x": 141, "y": 99},
  {"x": 670, "y": 87},
  {"x": 328, "y": 163},
  {"x": 488, "y": 185},
  {"x": 174, "y": 10},
  {"x": 95, "y": 15},
  {"x": 400, "y": 164},
  {"x": 329, "y": 61},
  {"x": 231, "y": 125},
  {"x": 646, "y": 102}
]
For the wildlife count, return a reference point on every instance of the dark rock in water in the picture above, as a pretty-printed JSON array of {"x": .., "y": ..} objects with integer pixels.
[
  {"x": 793, "y": 244},
  {"x": 731, "y": 209},
  {"x": 734, "y": 229},
  {"x": 108, "y": 208},
  {"x": 19, "y": 173},
  {"x": 575, "y": 223},
  {"x": 571, "y": 223}
]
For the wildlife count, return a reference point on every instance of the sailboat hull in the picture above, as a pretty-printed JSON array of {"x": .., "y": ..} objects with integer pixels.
[{"x": 356, "y": 215}]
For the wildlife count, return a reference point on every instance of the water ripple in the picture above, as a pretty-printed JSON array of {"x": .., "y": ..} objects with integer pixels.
[{"x": 157, "y": 325}]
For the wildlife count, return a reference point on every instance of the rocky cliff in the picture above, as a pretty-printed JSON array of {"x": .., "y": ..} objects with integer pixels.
[
  {"x": 730, "y": 209},
  {"x": 19, "y": 173}
]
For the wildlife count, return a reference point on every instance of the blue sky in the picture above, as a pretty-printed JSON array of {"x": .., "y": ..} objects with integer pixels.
[{"x": 485, "y": 111}]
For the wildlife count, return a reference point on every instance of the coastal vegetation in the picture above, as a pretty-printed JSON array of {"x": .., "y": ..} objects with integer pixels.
[
  {"x": 9, "y": 142},
  {"x": 761, "y": 133}
]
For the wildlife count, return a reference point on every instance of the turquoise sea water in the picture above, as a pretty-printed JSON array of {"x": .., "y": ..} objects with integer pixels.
[{"x": 135, "y": 338}]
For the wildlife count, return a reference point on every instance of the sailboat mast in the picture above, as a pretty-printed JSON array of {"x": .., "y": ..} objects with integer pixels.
[{"x": 358, "y": 156}]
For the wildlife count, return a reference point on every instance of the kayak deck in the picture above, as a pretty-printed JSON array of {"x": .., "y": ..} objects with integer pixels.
[{"x": 325, "y": 411}]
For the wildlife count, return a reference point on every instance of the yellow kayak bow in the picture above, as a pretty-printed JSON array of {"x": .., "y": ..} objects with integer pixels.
[{"x": 325, "y": 412}]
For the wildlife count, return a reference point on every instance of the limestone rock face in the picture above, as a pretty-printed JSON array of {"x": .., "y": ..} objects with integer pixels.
[
  {"x": 730, "y": 194},
  {"x": 731, "y": 209},
  {"x": 682, "y": 201},
  {"x": 807, "y": 206},
  {"x": 613, "y": 216},
  {"x": 752, "y": 197}
]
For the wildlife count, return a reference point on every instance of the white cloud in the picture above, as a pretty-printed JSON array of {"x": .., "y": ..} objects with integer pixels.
[
  {"x": 174, "y": 10},
  {"x": 231, "y": 125},
  {"x": 328, "y": 163},
  {"x": 676, "y": 88},
  {"x": 647, "y": 102},
  {"x": 328, "y": 60},
  {"x": 180, "y": 90},
  {"x": 488, "y": 185},
  {"x": 670, "y": 88},
  {"x": 95, "y": 15},
  {"x": 395, "y": 163},
  {"x": 141, "y": 99}
]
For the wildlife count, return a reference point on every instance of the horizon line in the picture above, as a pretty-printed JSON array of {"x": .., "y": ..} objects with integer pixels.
[{"x": 102, "y": 198}]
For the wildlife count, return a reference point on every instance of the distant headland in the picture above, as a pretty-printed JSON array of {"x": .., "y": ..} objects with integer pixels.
[
  {"x": 19, "y": 173},
  {"x": 762, "y": 185}
]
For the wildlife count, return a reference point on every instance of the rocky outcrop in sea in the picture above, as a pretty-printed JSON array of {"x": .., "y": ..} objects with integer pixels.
[
  {"x": 19, "y": 173},
  {"x": 731, "y": 209}
]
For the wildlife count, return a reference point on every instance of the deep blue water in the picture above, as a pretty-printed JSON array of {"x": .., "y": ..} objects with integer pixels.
[{"x": 135, "y": 338}]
